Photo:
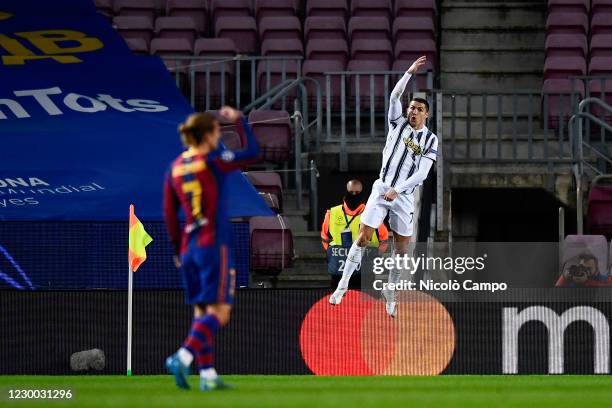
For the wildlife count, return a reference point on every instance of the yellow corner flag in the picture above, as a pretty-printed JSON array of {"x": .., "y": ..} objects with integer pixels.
[{"x": 138, "y": 241}]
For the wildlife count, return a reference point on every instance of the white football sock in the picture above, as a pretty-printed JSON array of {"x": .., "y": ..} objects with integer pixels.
[
  {"x": 185, "y": 356},
  {"x": 353, "y": 259},
  {"x": 208, "y": 373}
]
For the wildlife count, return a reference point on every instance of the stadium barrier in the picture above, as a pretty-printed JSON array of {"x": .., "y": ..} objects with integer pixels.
[
  {"x": 209, "y": 82},
  {"x": 296, "y": 332}
]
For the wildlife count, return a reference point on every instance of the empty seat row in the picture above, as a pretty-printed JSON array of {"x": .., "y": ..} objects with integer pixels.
[
  {"x": 576, "y": 45},
  {"x": 244, "y": 32},
  {"x": 579, "y": 6},
  {"x": 370, "y": 8},
  {"x": 200, "y": 10}
]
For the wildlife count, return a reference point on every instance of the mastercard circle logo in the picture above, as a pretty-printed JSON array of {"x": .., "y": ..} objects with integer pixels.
[{"x": 357, "y": 337}]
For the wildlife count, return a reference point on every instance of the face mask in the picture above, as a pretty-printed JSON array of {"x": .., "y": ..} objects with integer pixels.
[{"x": 353, "y": 201}]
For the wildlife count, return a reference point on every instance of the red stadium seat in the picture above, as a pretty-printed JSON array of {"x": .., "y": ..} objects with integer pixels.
[
  {"x": 144, "y": 8},
  {"x": 195, "y": 9},
  {"x": 272, "y": 130},
  {"x": 327, "y": 8},
  {"x": 564, "y": 67},
  {"x": 599, "y": 214},
  {"x": 377, "y": 50},
  {"x": 369, "y": 28},
  {"x": 601, "y": 6},
  {"x": 601, "y": 45},
  {"x": 333, "y": 49},
  {"x": 176, "y": 27},
  {"x": 230, "y": 8},
  {"x": 290, "y": 47},
  {"x": 270, "y": 183},
  {"x": 421, "y": 80},
  {"x": 569, "y": 6},
  {"x": 324, "y": 28},
  {"x": 559, "y": 94},
  {"x": 275, "y": 8},
  {"x": 601, "y": 23},
  {"x": 271, "y": 244},
  {"x": 426, "y": 9},
  {"x": 280, "y": 28},
  {"x": 371, "y": 8},
  {"x": 413, "y": 29},
  {"x": 566, "y": 45},
  {"x": 242, "y": 30},
  {"x": 215, "y": 47},
  {"x": 567, "y": 23}
]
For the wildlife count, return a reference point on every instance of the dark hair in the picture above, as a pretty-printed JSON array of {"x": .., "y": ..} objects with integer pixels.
[
  {"x": 195, "y": 127},
  {"x": 588, "y": 257},
  {"x": 423, "y": 101}
]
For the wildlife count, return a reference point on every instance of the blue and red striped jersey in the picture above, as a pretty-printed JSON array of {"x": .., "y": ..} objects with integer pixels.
[{"x": 196, "y": 183}]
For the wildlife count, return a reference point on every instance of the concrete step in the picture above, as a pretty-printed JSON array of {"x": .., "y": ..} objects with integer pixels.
[
  {"x": 506, "y": 103},
  {"x": 482, "y": 15},
  {"x": 492, "y": 39},
  {"x": 307, "y": 243},
  {"x": 538, "y": 149},
  {"x": 507, "y": 61},
  {"x": 490, "y": 81},
  {"x": 507, "y": 125}
]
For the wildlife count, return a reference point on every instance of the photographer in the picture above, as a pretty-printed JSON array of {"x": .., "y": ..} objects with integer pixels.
[{"x": 585, "y": 273}]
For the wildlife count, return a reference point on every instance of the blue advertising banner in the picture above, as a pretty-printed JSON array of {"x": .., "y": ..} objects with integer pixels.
[
  {"x": 49, "y": 7},
  {"x": 67, "y": 40},
  {"x": 83, "y": 141}
]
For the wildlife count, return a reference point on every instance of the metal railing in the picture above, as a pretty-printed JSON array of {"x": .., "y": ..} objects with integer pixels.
[
  {"x": 209, "y": 82},
  {"x": 579, "y": 145},
  {"x": 367, "y": 107}
]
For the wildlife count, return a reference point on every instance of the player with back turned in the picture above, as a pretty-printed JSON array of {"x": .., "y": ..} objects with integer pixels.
[
  {"x": 408, "y": 155},
  {"x": 196, "y": 183}
]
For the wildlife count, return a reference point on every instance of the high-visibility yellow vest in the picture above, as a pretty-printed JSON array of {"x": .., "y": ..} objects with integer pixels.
[{"x": 337, "y": 224}]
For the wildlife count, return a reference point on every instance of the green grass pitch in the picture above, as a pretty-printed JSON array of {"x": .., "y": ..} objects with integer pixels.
[{"x": 314, "y": 392}]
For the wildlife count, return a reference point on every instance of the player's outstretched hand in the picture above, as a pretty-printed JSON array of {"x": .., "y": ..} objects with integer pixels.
[
  {"x": 390, "y": 195},
  {"x": 229, "y": 113},
  {"x": 417, "y": 64}
]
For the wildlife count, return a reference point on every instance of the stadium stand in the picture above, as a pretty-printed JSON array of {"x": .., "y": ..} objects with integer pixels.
[
  {"x": 599, "y": 215},
  {"x": 194, "y": 9},
  {"x": 269, "y": 184},
  {"x": 271, "y": 244},
  {"x": 272, "y": 130}
]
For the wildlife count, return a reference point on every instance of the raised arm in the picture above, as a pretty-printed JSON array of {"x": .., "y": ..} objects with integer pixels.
[
  {"x": 395, "y": 101},
  {"x": 228, "y": 160}
]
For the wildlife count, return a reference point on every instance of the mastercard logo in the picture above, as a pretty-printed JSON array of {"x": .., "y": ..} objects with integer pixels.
[{"x": 357, "y": 337}]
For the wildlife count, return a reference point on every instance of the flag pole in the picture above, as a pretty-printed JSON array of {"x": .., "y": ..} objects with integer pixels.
[{"x": 129, "y": 333}]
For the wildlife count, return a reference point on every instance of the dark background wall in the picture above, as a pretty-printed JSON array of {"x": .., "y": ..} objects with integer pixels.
[{"x": 40, "y": 330}]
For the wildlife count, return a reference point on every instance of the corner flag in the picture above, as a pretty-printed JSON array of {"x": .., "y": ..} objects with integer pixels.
[{"x": 138, "y": 240}]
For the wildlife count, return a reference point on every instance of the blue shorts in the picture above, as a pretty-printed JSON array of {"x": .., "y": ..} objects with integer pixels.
[{"x": 208, "y": 274}]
